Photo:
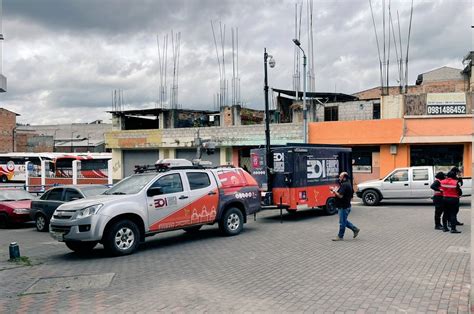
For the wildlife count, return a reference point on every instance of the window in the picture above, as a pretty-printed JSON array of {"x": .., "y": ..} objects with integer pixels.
[
  {"x": 400, "y": 175},
  {"x": 331, "y": 113},
  {"x": 169, "y": 184},
  {"x": 376, "y": 111},
  {"x": 198, "y": 180},
  {"x": 420, "y": 174},
  {"x": 54, "y": 195},
  {"x": 72, "y": 195}
]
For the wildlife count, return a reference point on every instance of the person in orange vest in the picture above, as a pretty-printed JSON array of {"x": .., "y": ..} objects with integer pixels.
[
  {"x": 438, "y": 201},
  {"x": 457, "y": 171},
  {"x": 451, "y": 192}
]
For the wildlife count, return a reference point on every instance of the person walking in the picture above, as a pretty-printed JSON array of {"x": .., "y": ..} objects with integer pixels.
[
  {"x": 343, "y": 196},
  {"x": 451, "y": 192},
  {"x": 438, "y": 201}
]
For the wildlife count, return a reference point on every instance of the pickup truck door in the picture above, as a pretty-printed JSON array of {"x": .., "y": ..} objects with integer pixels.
[
  {"x": 420, "y": 183},
  {"x": 396, "y": 185},
  {"x": 163, "y": 208},
  {"x": 203, "y": 197}
]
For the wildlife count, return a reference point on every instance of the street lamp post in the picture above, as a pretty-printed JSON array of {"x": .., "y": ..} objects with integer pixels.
[
  {"x": 267, "y": 59},
  {"x": 305, "y": 122}
]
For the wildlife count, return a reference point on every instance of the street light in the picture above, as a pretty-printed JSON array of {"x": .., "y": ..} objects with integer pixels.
[
  {"x": 305, "y": 124},
  {"x": 267, "y": 59}
]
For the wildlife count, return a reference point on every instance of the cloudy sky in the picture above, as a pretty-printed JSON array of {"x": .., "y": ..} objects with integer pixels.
[{"x": 62, "y": 59}]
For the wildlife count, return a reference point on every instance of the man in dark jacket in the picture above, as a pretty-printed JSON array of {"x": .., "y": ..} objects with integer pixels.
[
  {"x": 438, "y": 201},
  {"x": 343, "y": 196}
]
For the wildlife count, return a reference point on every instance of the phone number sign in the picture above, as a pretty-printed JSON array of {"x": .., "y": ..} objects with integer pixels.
[
  {"x": 445, "y": 103},
  {"x": 435, "y": 109}
]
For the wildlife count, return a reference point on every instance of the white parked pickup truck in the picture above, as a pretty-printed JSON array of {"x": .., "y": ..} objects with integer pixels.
[{"x": 403, "y": 183}]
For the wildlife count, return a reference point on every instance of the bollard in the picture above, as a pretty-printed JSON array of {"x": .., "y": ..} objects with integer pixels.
[{"x": 14, "y": 251}]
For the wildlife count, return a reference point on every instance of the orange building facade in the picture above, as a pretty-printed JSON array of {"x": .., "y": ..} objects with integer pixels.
[{"x": 397, "y": 141}]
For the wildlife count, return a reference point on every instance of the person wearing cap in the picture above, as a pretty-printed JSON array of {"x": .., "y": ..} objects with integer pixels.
[
  {"x": 343, "y": 195},
  {"x": 451, "y": 192},
  {"x": 438, "y": 201}
]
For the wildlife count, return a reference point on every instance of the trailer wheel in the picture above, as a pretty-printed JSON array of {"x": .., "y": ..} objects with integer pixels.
[
  {"x": 3, "y": 179},
  {"x": 330, "y": 208},
  {"x": 371, "y": 198}
]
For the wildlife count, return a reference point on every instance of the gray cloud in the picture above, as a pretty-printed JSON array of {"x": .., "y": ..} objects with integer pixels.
[{"x": 63, "y": 58}]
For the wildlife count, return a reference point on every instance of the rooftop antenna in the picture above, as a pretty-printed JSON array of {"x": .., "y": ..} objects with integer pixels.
[
  {"x": 175, "y": 48},
  {"x": 408, "y": 47},
  {"x": 163, "y": 61},
  {"x": 378, "y": 47}
]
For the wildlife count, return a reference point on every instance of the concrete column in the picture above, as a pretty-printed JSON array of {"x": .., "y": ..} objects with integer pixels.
[
  {"x": 43, "y": 174},
  {"x": 171, "y": 153},
  {"x": 116, "y": 173},
  {"x": 161, "y": 121},
  {"x": 110, "y": 180},
  {"x": 27, "y": 175},
  {"x": 76, "y": 167},
  {"x": 223, "y": 156}
]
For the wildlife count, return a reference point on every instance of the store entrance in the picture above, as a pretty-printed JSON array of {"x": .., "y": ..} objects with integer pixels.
[{"x": 445, "y": 156}]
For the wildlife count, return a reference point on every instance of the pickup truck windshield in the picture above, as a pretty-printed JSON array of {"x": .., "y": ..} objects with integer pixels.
[{"x": 131, "y": 185}]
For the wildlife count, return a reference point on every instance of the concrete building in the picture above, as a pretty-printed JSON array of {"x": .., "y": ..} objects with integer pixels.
[{"x": 76, "y": 137}]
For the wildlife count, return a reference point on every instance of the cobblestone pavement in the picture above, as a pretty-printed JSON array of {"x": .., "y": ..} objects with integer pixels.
[{"x": 399, "y": 263}]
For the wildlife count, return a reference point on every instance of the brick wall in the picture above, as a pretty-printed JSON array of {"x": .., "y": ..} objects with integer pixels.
[
  {"x": 7, "y": 125},
  {"x": 349, "y": 110}
]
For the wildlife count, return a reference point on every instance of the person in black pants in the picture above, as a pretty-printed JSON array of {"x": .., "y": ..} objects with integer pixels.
[
  {"x": 451, "y": 192},
  {"x": 343, "y": 196},
  {"x": 438, "y": 201},
  {"x": 457, "y": 171}
]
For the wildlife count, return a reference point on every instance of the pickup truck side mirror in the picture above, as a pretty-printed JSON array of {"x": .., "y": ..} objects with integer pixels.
[{"x": 154, "y": 191}]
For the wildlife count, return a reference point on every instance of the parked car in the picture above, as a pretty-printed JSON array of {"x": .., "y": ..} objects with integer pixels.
[
  {"x": 403, "y": 183},
  {"x": 42, "y": 209},
  {"x": 148, "y": 203},
  {"x": 14, "y": 206}
]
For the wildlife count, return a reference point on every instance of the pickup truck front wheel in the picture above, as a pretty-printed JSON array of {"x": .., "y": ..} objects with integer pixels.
[
  {"x": 232, "y": 222},
  {"x": 122, "y": 238},
  {"x": 81, "y": 247},
  {"x": 371, "y": 198}
]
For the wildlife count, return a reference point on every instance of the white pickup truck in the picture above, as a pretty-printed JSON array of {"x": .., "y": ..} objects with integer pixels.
[{"x": 403, "y": 183}]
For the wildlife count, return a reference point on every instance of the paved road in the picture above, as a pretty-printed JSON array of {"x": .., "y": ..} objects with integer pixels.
[{"x": 398, "y": 263}]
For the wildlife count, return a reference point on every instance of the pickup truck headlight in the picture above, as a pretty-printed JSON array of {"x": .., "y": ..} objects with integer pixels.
[
  {"x": 88, "y": 211},
  {"x": 21, "y": 211}
]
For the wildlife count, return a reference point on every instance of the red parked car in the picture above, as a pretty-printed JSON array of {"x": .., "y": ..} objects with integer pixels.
[{"x": 14, "y": 206}]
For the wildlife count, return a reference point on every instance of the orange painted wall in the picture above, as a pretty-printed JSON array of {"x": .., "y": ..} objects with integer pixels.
[
  {"x": 369, "y": 132},
  {"x": 389, "y": 161},
  {"x": 467, "y": 160},
  {"x": 439, "y": 126}
]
